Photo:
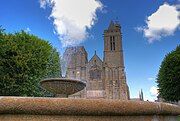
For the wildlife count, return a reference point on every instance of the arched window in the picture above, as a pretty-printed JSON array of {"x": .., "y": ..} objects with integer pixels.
[
  {"x": 111, "y": 43},
  {"x": 95, "y": 74}
]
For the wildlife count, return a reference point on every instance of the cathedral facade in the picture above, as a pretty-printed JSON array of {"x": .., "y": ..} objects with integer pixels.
[{"x": 104, "y": 78}]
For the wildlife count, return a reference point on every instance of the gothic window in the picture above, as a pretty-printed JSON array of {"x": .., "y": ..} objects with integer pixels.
[
  {"x": 113, "y": 43},
  {"x": 95, "y": 74},
  {"x": 111, "y": 40}
]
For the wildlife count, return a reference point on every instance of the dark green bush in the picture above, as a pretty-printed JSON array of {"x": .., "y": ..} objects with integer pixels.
[
  {"x": 25, "y": 60},
  {"x": 169, "y": 76}
]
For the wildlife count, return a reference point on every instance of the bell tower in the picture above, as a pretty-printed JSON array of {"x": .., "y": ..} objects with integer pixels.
[
  {"x": 115, "y": 77},
  {"x": 113, "y": 52}
]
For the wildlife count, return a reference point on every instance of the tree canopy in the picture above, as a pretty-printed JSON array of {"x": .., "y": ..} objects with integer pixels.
[
  {"x": 169, "y": 76},
  {"x": 25, "y": 59}
]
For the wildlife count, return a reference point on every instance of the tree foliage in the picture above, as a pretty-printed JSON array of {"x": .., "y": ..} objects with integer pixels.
[
  {"x": 25, "y": 60},
  {"x": 169, "y": 76}
]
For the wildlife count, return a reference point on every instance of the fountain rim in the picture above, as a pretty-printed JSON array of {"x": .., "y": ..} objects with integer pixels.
[
  {"x": 62, "y": 79},
  {"x": 84, "y": 107}
]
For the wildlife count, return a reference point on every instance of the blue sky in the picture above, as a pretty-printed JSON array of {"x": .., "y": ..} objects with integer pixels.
[{"x": 144, "y": 50}]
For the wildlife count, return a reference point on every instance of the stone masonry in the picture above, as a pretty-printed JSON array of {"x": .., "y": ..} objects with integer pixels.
[{"x": 104, "y": 78}]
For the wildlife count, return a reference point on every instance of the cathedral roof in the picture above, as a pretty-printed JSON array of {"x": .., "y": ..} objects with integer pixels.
[{"x": 95, "y": 57}]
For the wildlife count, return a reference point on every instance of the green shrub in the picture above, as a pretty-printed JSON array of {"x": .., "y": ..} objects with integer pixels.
[
  {"x": 24, "y": 60},
  {"x": 169, "y": 76}
]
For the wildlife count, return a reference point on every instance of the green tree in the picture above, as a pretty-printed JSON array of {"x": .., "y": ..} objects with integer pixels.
[
  {"x": 1, "y": 32},
  {"x": 25, "y": 60},
  {"x": 53, "y": 68},
  {"x": 169, "y": 76}
]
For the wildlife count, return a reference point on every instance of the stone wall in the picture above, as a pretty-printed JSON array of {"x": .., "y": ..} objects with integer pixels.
[
  {"x": 85, "y": 118},
  {"x": 53, "y": 109}
]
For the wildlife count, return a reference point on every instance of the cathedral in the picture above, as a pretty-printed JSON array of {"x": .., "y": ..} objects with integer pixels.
[{"x": 104, "y": 78}]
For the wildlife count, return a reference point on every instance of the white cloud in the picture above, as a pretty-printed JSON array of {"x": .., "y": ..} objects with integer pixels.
[
  {"x": 28, "y": 30},
  {"x": 43, "y": 3},
  {"x": 164, "y": 22},
  {"x": 72, "y": 18},
  {"x": 154, "y": 91},
  {"x": 151, "y": 79}
]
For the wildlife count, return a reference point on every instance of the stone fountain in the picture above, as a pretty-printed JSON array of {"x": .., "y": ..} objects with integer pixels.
[
  {"x": 63, "y": 87},
  {"x": 64, "y": 109}
]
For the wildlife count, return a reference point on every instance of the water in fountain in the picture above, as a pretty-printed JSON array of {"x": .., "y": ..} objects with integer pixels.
[{"x": 63, "y": 67}]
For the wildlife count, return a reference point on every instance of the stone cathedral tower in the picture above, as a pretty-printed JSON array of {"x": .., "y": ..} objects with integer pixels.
[
  {"x": 104, "y": 78},
  {"x": 115, "y": 78}
]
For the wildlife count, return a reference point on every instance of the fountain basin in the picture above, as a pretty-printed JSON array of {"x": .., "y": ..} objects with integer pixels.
[
  {"x": 63, "y": 86},
  {"x": 61, "y": 109}
]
